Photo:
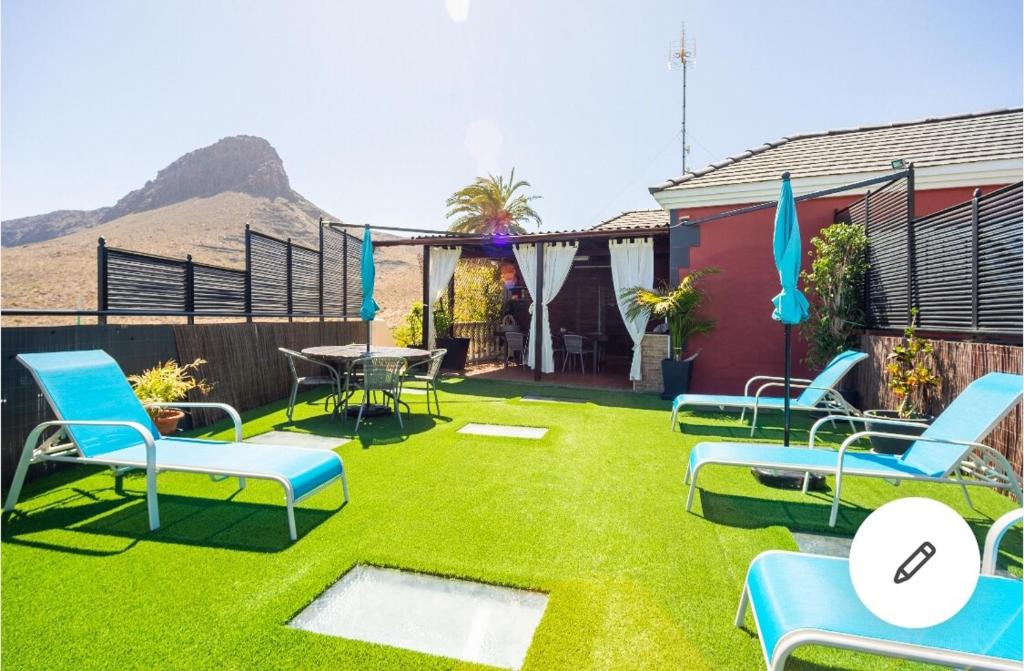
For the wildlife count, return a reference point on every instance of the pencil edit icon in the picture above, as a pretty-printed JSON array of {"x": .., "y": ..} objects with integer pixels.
[{"x": 912, "y": 564}]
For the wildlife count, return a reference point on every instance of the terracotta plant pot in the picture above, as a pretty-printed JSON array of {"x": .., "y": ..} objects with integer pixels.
[{"x": 167, "y": 421}]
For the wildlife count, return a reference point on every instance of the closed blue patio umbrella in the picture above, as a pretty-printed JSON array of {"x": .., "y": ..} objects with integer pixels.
[
  {"x": 790, "y": 304},
  {"x": 368, "y": 309}
]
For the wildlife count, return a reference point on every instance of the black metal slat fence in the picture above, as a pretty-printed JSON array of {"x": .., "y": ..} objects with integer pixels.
[
  {"x": 961, "y": 267},
  {"x": 281, "y": 278}
]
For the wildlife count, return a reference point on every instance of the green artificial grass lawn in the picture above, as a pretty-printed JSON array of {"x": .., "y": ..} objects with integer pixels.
[{"x": 592, "y": 514}]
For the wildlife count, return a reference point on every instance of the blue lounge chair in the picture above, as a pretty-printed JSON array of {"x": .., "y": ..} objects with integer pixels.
[
  {"x": 102, "y": 422},
  {"x": 818, "y": 394},
  {"x": 804, "y": 599},
  {"x": 945, "y": 452}
]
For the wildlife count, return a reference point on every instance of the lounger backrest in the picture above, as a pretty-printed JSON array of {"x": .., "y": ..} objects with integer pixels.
[
  {"x": 830, "y": 376},
  {"x": 89, "y": 385},
  {"x": 970, "y": 417}
]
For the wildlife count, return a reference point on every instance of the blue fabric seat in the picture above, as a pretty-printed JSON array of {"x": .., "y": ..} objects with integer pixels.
[
  {"x": 304, "y": 470},
  {"x": 804, "y": 599},
  {"x": 817, "y": 394},
  {"x": 104, "y": 423},
  {"x": 947, "y": 451}
]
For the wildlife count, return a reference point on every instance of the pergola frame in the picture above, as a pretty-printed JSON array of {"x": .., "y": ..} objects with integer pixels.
[{"x": 477, "y": 246}]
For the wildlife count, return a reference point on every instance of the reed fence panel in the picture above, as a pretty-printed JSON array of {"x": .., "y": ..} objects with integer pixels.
[
  {"x": 243, "y": 360},
  {"x": 483, "y": 344},
  {"x": 957, "y": 363}
]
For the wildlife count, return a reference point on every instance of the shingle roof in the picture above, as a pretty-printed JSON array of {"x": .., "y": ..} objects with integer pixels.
[
  {"x": 964, "y": 138},
  {"x": 635, "y": 219}
]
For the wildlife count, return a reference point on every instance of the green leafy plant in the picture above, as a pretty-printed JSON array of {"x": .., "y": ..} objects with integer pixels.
[
  {"x": 479, "y": 293},
  {"x": 839, "y": 264},
  {"x": 909, "y": 376},
  {"x": 167, "y": 382},
  {"x": 680, "y": 307},
  {"x": 492, "y": 206},
  {"x": 409, "y": 333}
]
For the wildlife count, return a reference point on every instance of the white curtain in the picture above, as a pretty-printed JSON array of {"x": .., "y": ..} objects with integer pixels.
[
  {"x": 442, "y": 266},
  {"x": 557, "y": 263},
  {"x": 632, "y": 266}
]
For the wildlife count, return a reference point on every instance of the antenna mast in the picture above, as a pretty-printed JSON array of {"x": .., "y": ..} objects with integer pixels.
[{"x": 680, "y": 55}]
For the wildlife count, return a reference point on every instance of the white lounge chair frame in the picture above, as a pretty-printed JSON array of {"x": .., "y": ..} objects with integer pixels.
[
  {"x": 52, "y": 449},
  {"x": 984, "y": 466},
  {"x": 788, "y": 643}
]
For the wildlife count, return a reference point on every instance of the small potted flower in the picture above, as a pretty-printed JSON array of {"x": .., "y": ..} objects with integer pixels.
[
  {"x": 166, "y": 383},
  {"x": 910, "y": 379}
]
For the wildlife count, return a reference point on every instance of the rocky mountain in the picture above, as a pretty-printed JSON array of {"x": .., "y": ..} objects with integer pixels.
[
  {"x": 239, "y": 164},
  {"x": 197, "y": 205}
]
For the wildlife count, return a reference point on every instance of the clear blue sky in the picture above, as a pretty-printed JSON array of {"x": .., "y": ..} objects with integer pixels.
[{"x": 370, "y": 104}]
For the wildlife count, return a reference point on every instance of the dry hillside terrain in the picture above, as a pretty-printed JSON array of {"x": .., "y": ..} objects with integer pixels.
[{"x": 49, "y": 261}]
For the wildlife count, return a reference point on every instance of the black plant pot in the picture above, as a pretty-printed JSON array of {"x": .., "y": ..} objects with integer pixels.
[
  {"x": 675, "y": 376},
  {"x": 455, "y": 357},
  {"x": 894, "y": 445}
]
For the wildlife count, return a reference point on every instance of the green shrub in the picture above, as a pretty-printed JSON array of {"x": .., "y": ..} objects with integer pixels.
[
  {"x": 839, "y": 264},
  {"x": 409, "y": 333}
]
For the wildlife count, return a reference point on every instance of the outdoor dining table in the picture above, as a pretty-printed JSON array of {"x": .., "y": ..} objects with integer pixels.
[{"x": 341, "y": 356}]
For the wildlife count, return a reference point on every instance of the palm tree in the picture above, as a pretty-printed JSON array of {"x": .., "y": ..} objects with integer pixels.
[{"x": 491, "y": 206}]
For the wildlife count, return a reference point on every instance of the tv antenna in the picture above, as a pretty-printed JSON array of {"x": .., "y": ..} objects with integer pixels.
[{"x": 680, "y": 55}]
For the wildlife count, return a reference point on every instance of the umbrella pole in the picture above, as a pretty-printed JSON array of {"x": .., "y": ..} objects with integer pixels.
[
  {"x": 368, "y": 336},
  {"x": 789, "y": 372}
]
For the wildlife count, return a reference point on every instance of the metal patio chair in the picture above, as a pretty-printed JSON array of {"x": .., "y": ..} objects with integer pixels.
[
  {"x": 332, "y": 379},
  {"x": 574, "y": 348},
  {"x": 380, "y": 374},
  {"x": 428, "y": 372},
  {"x": 515, "y": 342}
]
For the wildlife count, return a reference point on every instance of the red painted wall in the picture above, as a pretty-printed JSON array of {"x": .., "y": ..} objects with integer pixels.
[{"x": 746, "y": 341}]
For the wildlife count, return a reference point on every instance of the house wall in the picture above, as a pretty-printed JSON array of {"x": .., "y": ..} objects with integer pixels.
[{"x": 746, "y": 341}]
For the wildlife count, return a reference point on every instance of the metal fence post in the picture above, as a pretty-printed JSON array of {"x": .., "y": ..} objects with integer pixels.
[
  {"x": 288, "y": 275},
  {"x": 426, "y": 297},
  {"x": 101, "y": 280},
  {"x": 321, "y": 260},
  {"x": 867, "y": 275},
  {"x": 344, "y": 274},
  {"x": 911, "y": 257},
  {"x": 190, "y": 289},
  {"x": 248, "y": 273},
  {"x": 975, "y": 250}
]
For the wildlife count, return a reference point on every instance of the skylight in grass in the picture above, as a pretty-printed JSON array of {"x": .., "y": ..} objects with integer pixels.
[
  {"x": 533, "y": 398},
  {"x": 460, "y": 619},
  {"x": 504, "y": 431}
]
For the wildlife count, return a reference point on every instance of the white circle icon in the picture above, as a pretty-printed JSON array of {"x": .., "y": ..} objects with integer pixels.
[{"x": 914, "y": 562}]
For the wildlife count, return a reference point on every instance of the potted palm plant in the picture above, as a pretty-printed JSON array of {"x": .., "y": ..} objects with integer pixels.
[
  {"x": 910, "y": 379},
  {"x": 166, "y": 383},
  {"x": 457, "y": 348},
  {"x": 680, "y": 308}
]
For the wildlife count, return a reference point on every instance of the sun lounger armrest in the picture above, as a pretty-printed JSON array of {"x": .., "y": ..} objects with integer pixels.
[
  {"x": 144, "y": 432},
  {"x": 231, "y": 412},
  {"x": 793, "y": 385},
  {"x": 771, "y": 378},
  {"x": 969, "y": 445},
  {"x": 995, "y": 536},
  {"x": 858, "y": 418}
]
